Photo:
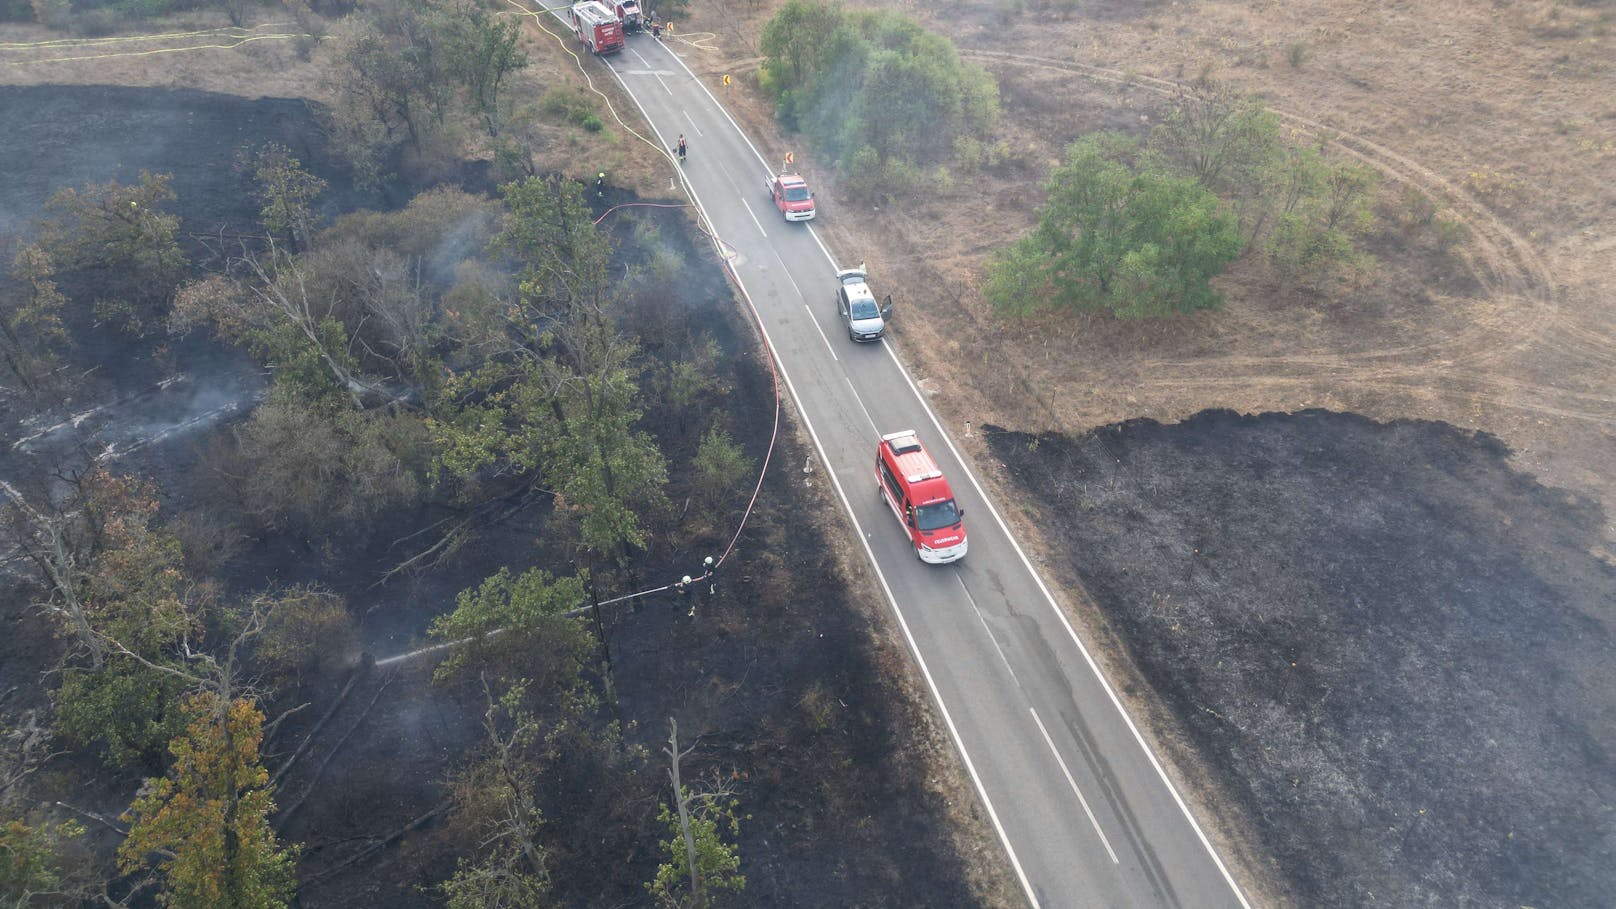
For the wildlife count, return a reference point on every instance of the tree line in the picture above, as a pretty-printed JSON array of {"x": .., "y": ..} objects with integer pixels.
[
  {"x": 1140, "y": 227},
  {"x": 880, "y": 95},
  {"x": 464, "y": 354},
  {"x": 1134, "y": 226}
]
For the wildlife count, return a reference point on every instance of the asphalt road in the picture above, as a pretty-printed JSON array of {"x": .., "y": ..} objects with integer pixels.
[{"x": 1084, "y": 810}]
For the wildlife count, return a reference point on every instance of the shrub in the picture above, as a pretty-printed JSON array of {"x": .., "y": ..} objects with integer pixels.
[
  {"x": 857, "y": 80},
  {"x": 1122, "y": 231},
  {"x": 53, "y": 13},
  {"x": 723, "y": 471}
]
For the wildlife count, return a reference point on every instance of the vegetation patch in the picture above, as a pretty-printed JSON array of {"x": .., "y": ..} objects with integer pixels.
[
  {"x": 1393, "y": 650},
  {"x": 878, "y": 93}
]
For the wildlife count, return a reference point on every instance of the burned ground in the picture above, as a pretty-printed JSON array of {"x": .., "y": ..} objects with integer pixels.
[
  {"x": 777, "y": 679},
  {"x": 1393, "y": 650}
]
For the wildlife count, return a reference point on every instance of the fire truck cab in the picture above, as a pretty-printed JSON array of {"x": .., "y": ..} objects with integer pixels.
[
  {"x": 791, "y": 197},
  {"x": 630, "y": 15},
  {"x": 596, "y": 27},
  {"x": 921, "y": 499}
]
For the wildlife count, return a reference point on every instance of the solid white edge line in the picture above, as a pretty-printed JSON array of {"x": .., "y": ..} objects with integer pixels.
[
  {"x": 892, "y": 600},
  {"x": 909, "y": 638},
  {"x": 1066, "y": 623},
  {"x": 1002, "y": 526},
  {"x": 1073, "y": 783}
]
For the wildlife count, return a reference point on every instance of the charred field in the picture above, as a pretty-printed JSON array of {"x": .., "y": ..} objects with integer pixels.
[
  {"x": 1391, "y": 650},
  {"x": 780, "y": 678}
]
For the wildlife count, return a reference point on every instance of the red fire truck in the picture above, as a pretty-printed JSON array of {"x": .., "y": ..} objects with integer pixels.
[
  {"x": 596, "y": 26},
  {"x": 629, "y": 13},
  {"x": 920, "y": 498}
]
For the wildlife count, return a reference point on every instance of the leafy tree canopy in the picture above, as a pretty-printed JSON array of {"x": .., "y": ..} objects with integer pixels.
[
  {"x": 873, "y": 79},
  {"x": 1122, "y": 231},
  {"x": 207, "y": 822}
]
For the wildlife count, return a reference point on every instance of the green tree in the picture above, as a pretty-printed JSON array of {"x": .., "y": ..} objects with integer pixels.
[
  {"x": 320, "y": 471},
  {"x": 270, "y": 308},
  {"x": 873, "y": 89},
  {"x": 496, "y": 805},
  {"x": 723, "y": 472},
  {"x": 34, "y": 870},
  {"x": 1319, "y": 209},
  {"x": 700, "y": 864},
  {"x": 123, "y": 707},
  {"x": 557, "y": 399},
  {"x": 1223, "y": 138},
  {"x": 307, "y": 630},
  {"x": 480, "y": 53},
  {"x": 285, "y": 190},
  {"x": 516, "y": 627},
  {"x": 32, "y": 335},
  {"x": 1121, "y": 232},
  {"x": 123, "y": 234},
  {"x": 205, "y": 826}
]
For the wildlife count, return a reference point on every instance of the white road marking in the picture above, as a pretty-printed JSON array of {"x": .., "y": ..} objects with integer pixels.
[
  {"x": 754, "y": 218},
  {"x": 650, "y": 72},
  {"x": 892, "y": 600},
  {"x": 822, "y": 337},
  {"x": 784, "y": 270},
  {"x": 1073, "y": 783},
  {"x": 991, "y": 638},
  {"x": 1088, "y": 658},
  {"x": 693, "y": 123},
  {"x": 854, "y": 388}
]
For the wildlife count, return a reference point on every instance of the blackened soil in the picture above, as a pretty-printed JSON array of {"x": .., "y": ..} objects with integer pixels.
[
  {"x": 1395, "y": 652},
  {"x": 58, "y": 136},
  {"x": 776, "y": 679}
]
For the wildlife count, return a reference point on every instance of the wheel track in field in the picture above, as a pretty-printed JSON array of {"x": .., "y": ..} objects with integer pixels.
[{"x": 1509, "y": 267}]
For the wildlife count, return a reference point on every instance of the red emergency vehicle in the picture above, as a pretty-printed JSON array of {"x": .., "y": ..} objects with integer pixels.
[
  {"x": 792, "y": 197},
  {"x": 630, "y": 15},
  {"x": 596, "y": 26},
  {"x": 920, "y": 497}
]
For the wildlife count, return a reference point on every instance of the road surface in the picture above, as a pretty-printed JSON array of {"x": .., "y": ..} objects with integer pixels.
[{"x": 1084, "y": 810}]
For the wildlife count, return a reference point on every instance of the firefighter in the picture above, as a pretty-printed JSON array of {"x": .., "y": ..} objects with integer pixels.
[
  {"x": 682, "y": 148},
  {"x": 600, "y": 184}
]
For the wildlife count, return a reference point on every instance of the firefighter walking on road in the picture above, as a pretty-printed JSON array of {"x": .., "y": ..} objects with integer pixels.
[{"x": 681, "y": 148}]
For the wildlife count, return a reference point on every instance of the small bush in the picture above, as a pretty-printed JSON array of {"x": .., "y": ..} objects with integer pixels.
[
  {"x": 98, "y": 23},
  {"x": 569, "y": 106},
  {"x": 723, "y": 471},
  {"x": 1417, "y": 211},
  {"x": 1297, "y": 54},
  {"x": 1450, "y": 232},
  {"x": 53, "y": 13},
  {"x": 968, "y": 153}
]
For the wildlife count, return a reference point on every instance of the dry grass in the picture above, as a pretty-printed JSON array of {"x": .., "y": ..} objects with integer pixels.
[{"x": 1503, "y": 116}]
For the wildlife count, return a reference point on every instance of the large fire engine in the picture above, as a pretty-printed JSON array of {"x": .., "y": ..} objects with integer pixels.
[
  {"x": 630, "y": 14},
  {"x": 596, "y": 26}
]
